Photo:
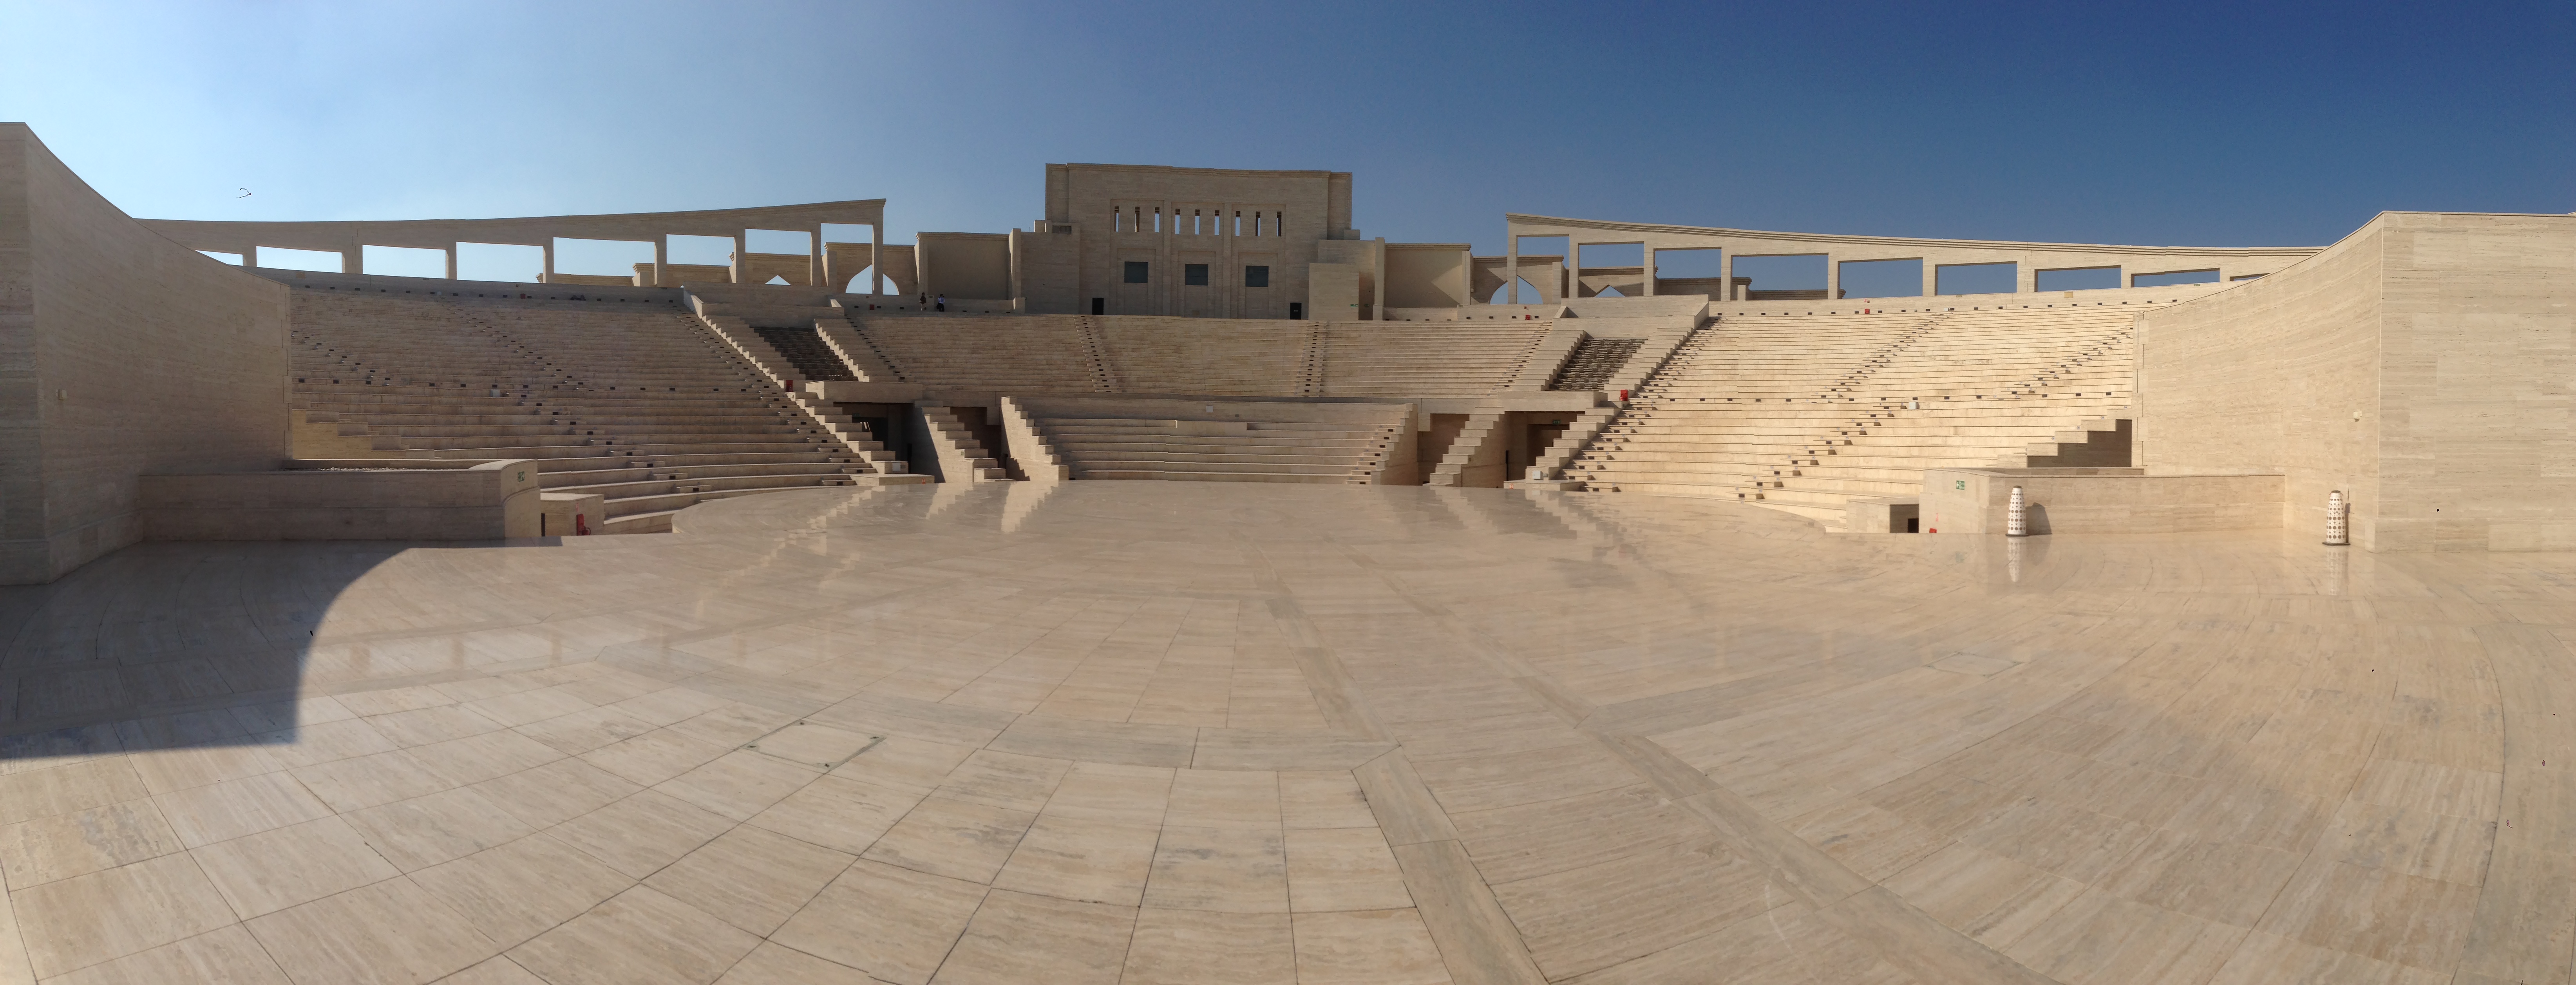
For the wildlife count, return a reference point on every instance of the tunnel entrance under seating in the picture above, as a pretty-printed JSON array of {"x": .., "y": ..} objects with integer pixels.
[{"x": 887, "y": 424}]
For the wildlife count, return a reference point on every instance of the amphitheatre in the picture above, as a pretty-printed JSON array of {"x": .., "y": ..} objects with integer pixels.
[{"x": 1602, "y": 611}]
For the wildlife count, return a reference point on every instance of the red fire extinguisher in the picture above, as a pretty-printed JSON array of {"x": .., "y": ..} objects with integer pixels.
[{"x": 581, "y": 524}]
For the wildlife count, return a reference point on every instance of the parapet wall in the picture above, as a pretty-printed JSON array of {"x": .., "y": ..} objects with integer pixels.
[
  {"x": 122, "y": 353},
  {"x": 351, "y": 499},
  {"x": 2098, "y": 500}
]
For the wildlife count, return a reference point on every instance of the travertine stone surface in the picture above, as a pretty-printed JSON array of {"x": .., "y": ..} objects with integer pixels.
[
  {"x": 2421, "y": 366},
  {"x": 123, "y": 354},
  {"x": 1192, "y": 732}
]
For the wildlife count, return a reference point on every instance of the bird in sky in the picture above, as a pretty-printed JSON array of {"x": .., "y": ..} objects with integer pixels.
[{"x": 245, "y": 193}]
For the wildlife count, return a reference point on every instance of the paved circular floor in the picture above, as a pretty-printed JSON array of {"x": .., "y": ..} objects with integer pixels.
[{"x": 1207, "y": 732}]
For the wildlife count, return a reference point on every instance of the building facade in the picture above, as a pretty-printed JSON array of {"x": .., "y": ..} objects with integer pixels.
[{"x": 1123, "y": 239}]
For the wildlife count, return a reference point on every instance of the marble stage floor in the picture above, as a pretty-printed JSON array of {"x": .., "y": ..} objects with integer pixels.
[{"x": 1216, "y": 732}]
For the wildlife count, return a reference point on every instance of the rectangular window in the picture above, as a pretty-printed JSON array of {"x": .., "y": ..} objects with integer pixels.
[
  {"x": 2076, "y": 278},
  {"x": 1976, "y": 278},
  {"x": 1881, "y": 279},
  {"x": 1194, "y": 274},
  {"x": 1136, "y": 271},
  {"x": 1100, "y": 306},
  {"x": 1296, "y": 310},
  {"x": 1257, "y": 276},
  {"x": 2174, "y": 277}
]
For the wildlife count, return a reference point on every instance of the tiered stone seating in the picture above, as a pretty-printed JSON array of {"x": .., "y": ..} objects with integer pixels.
[
  {"x": 803, "y": 348},
  {"x": 1016, "y": 353},
  {"x": 1804, "y": 413},
  {"x": 1593, "y": 362},
  {"x": 1425, "y": 359},
  {"x": 1220, "y": 451},
  {"x": 632, "y": 402},
  {"x": 1209, "y": 356}
]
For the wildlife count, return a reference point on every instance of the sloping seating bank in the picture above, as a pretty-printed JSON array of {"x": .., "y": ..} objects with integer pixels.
[
  {"x": 1804, "y": 413},
  {"x": 633, "y": 402},
  {"x": 1210, "y": 356},
  {"x": 1353, "y": 444}
]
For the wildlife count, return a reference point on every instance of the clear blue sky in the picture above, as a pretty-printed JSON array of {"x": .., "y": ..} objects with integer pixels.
[{"x": 2154, "y": 124}]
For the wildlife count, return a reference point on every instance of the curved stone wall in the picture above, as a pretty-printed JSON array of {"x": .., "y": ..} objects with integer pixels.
[{"x": 121, "y": 354}]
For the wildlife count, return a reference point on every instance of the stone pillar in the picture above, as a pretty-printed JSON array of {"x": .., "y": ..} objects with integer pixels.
[
  {"x": 1931, "y": 278},
  {"x": 451, "y": 261},
  {"x": 2025, "y": 276},
  {"x": 661, "y": 259},
  {"x": 1377, "y": 305},
  {"x": 250, "y": 256},
  {"x": 1512, "y": 264},
  {"x": 1649, "y": 262},
  {"x": 354, "y": 259},
  {"x": 739, "y": 256},
  {"x": 876, "y": 257},
  {"x": 814, "y": 258},
  {"x": 1833, "y": 279},
  {"x": 549, "y": 247},
  {"x": 1226, "y": 281}
]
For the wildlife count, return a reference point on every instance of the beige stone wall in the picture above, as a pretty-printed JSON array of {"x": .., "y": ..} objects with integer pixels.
[
  {"x": 123, "y": 354},
  {"x": 965, "y": 265},
  {"x": 2422, "y": 365},
  {"x": 2276, "y": 375},
  {"x": 593, "y": 280},
  {"x": 363, "y": 499},
  {"x": 676, "y": 274},
  {"x": 1169, "y": 217},
  {"x": 1428, "y": 275},
  {"x": 757, "y": 268},
  {"x": 1050, "y": 263},
  {"x": 2098, "y": 501},
  {"x": 2478, "y": 383}
]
